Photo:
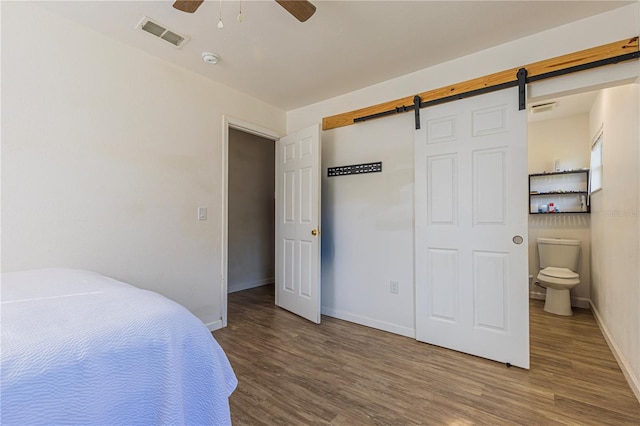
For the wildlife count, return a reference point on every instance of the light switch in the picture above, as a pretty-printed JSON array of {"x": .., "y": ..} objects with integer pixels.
[{"x": 202, "y": 213}]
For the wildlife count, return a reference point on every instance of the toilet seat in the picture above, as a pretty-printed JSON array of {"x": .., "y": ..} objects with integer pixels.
[
  {"x": 552, "y": 271},
  {"x": 553, "y": 275}
]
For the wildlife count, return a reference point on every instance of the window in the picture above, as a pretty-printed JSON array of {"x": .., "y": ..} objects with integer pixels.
[{"x": 595, "y": 176}]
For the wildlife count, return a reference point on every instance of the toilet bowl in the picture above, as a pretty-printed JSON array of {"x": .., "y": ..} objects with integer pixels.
[
  {"x": 558, "y": 263},
  {"x": 558, "y": 282}
]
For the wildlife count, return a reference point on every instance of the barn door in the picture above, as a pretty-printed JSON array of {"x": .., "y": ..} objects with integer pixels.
[
  {"x": 471, "y": 227},
  {"x": 298, "y": 223}
]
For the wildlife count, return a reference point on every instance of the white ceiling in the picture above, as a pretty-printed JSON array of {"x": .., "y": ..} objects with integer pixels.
[
  {"x": 345, "y": 46},
  {"x": 566, "y": 106}
]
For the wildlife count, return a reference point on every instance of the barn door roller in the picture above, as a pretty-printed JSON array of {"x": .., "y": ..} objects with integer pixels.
[{"x": 522, "y": 88}]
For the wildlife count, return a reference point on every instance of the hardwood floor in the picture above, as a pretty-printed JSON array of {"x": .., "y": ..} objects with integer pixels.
[{"x": 293, "y": 372}]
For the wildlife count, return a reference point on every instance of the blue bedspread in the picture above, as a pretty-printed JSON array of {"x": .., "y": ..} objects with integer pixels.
[{"x": 80, "y": 348}]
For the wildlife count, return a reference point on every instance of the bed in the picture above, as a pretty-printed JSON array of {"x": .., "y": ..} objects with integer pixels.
[{"x": 81, "y": 348}]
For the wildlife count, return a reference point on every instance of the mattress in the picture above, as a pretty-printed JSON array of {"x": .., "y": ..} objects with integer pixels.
[{"x": 81, "y": 348}]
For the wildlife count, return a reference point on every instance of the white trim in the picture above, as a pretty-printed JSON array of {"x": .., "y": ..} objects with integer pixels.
[
  {"x": 634, "y": 382},
  {"x": 537, "y": 295},
  {"x": 254, "y": 129},
  {"x": 595, "y": 191},
  {"x": 596, "y": 148},
  {"x": 580, "y": 302},
  {"x": 597, "y": 136},
  {"x": 576, "y": 302},
  {"x": 238, "y": 124},
  {"x": 224, "y": 221},
  {"x": 215, "y": 325},
  {"x": 369, "y": 322},
  {"x": 251, "y": 284},
  {"x": 584, "y": 81}
]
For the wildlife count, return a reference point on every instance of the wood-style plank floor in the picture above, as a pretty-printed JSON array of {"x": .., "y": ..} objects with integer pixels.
[{"x": 293, "y": 372}]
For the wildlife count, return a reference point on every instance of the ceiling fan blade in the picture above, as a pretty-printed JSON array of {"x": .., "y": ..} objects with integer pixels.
[
  {"x": 301, "y": 9},
  {"x": 188, "y": 6}
]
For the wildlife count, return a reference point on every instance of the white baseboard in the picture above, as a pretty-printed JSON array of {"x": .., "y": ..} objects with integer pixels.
[
  {"x": 369, "y": 322},
  {"x": 537, "y": 295},
  {"x": 580, "y": 302},
  {"x": 251, "y": 284},
  {"x": 634, "y": 382},
  {"x": 213, "y": 326},
  {"x": 576, "y": 302}
]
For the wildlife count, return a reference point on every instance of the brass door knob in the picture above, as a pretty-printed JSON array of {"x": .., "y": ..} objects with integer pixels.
[{"x": 314, "y": 232}]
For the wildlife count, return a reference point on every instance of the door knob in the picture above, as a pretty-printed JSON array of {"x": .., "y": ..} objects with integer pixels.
[
  {"x": 314, "y": 232},
  {"x": 518, "y": 239}
]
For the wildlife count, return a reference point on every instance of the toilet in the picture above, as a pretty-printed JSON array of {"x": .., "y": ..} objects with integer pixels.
[{"x": 558, "y": 263}]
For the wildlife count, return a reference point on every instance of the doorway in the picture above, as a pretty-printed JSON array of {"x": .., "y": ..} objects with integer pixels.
[
  {"x": 248, "y": 176},
  {"x": 558, "y": 141},
  {"x": 297, "y": 167},
  {"x": 251, "y": 234}
]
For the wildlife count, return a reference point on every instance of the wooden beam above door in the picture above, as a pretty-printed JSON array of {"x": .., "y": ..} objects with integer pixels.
[{"x": 570, "y": 60}]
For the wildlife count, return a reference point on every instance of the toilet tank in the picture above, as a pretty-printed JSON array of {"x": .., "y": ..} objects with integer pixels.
[{"x": 559, "y": 253}]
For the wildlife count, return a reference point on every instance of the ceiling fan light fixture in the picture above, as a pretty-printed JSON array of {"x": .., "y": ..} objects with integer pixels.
[
  {"x": 220, "y": 24},
  {"x": 210, "y": 58}
]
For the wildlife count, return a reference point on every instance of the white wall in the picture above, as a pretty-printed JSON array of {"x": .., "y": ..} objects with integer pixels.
[
  {"x": 367, "y": 226},
  {"x": 615, "y": 228},
  {"x": 566, "y": 139},
  {"x": 372, "y": 214},
  {"x": 107, "y": 153}
]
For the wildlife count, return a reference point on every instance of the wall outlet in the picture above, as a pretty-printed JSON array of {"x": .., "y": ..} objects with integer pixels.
[{"x": 393, "y": 287}]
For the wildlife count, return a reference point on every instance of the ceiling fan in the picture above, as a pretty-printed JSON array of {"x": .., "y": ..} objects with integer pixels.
[{"x": 300, "y": 9}]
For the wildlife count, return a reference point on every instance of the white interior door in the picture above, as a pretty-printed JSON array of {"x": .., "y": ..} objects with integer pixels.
[
  {"x": 298, "y": 223},
  {"x": 471, "y": 227}
]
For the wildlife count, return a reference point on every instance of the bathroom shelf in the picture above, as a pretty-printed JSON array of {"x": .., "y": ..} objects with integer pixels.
[{"x": 567, "y": 190}]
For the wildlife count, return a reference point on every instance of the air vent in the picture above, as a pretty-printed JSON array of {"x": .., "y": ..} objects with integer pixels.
[
  {"x": 543, "y": 107},
  {"x": 152, "y": 27}
]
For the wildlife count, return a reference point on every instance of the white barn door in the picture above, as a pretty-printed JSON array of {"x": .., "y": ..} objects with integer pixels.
[
  {"x": 297, "y": 272},
  {"x": 471, "y": 227}
]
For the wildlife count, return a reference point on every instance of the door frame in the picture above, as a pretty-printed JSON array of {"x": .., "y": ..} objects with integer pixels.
[{"x": 229, "y": 122}]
